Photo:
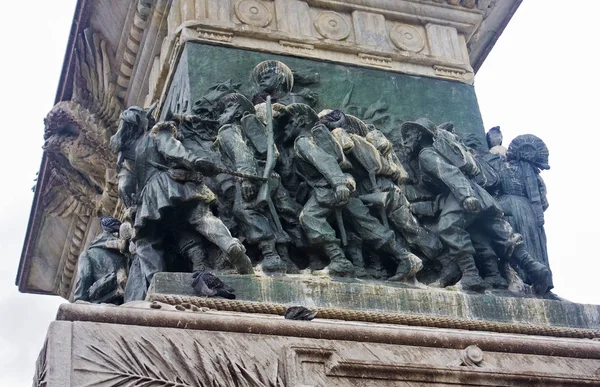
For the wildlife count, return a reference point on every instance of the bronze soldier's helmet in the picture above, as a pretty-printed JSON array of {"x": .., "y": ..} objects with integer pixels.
[
  {"x": 302, "y": 109},
  {"x": 424, "y": 125},
  {"x": 284, "y": 78},
  {"x": 238, "y": 98}
]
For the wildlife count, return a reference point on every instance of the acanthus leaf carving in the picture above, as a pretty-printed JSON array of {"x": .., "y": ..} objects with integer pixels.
[
  {"x": 93, "y": 86},
  {"x": 41, "y": 367}
]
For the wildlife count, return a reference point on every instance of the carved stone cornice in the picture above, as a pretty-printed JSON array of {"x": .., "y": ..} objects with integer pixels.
[
  {"x": 404, "y": 36},
  {"x": 445, "y": 39}
]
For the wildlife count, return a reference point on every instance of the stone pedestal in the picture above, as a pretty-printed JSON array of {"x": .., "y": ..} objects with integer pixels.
[
  {"x": 387, "y": 297},
  {"x": 142, "y": 345}
]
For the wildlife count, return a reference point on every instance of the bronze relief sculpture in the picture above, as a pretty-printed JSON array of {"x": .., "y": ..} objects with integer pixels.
[{"x": 326, "y": 194}]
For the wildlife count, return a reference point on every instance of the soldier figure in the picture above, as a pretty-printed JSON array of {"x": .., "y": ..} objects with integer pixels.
[
  {"x": 168, "y": 190},
  {"x": 444, "y": 165},
  {"x": 243, "y": 142},
  {"x": 386, "y": 178},
  {"x": 275, "y": 79},
  {"x": 332, "y": 193},
  {"x": 102, "y": 268}
]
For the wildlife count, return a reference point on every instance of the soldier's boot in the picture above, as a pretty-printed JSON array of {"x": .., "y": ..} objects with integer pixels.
[
  {"x": 339, "y": 265},
  {"x": 315, "y": 261},
  {"x": 408, "y": 263},
  {"x": 236, "y": 252},
  {"x": 354, "y": 253},
  {"x": 284, "y": 254},
  {"x": 449, "y": 275},
  {"x": 470, "y": 275},
  {"x": 271, "y": 262},
  {"x": 489, "y": 266},
  {"x": 197, "y": 256},
  {"x": 539, "y": 274}
]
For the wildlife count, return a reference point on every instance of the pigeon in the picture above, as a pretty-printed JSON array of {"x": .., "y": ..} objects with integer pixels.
[
  {"x": 334, "y": 119},
  {"x": 209, "y": 285},
  {"x": 299, "y": 313},
  {"x": 110, "y": 224}
]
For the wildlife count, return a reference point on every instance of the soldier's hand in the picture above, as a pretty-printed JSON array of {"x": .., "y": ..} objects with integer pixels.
[
  {"x": 248, "y": 191},
  {"x": 341, "y": 194},
  {"x": 205, "y": 166},
  {"x": 123, "y": 245},
  {"x": 471, "y": 205}
]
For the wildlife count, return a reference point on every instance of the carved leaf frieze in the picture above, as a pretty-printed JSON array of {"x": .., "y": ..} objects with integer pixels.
[{"x": 167, "y": 359}]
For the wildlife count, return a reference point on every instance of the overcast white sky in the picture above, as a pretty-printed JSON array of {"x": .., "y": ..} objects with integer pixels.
[{"x": 540, "y": 78}]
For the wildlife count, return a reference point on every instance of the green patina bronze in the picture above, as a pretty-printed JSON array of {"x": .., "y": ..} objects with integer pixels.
[{"x": 356, "y": 90}]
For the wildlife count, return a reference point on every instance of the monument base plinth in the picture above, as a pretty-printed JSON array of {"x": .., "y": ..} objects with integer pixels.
[{"x": 154, "y": 344}]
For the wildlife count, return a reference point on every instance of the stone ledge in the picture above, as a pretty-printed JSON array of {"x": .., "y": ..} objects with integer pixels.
[
  {"x": 387, "y": 297},
  {"x": 106, "y": 345},
  {"x": 140, "y": 314}
]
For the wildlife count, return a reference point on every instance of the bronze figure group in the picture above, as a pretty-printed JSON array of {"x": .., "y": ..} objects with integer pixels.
[{"x": 265, "y": 176}]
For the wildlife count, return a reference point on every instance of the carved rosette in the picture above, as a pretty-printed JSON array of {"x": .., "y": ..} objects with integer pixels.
[
  {"x": 332, "y": 25},
  {"x": 253, "y": 12},
  {"x": 407, "y": 38},
  {"x": 472, "y": 356}
]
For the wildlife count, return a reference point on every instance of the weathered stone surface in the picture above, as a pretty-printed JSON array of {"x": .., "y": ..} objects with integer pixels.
[
  {"x": 105, "y": 346},
  {"x": 384, "y": 296}
]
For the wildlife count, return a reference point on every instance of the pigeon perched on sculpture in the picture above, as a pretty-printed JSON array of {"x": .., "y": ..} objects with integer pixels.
[
  {"x": 299, "y": 313},
  {"x": 209, "y": 285}
]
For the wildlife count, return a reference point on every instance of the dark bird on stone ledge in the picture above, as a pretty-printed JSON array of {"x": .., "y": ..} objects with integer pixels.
[
  {"x": 299, "y": 313},
  {"x": 209, "y": 285},
  {"x": 334, "y": 119}
]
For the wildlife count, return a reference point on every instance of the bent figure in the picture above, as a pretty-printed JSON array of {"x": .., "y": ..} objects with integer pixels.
[
  {"x": 443, "y": 162},
  {"x": 102, "y": 268},
  {"x": 170, "y": 189}
]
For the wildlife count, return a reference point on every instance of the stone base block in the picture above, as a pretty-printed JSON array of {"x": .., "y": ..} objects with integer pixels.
[
  {"x": 389, "y": 297},
  {"x": 116, "y": 346}
]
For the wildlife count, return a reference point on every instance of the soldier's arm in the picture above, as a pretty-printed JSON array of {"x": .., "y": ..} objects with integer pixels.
[
  {"x": 307, "y": 150},
  {"x": 456, "y": 181},
  {"x": 171, "y": 148},
  {"x": 400, "y": 173},
  {"x": 234, "y": 148}
]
